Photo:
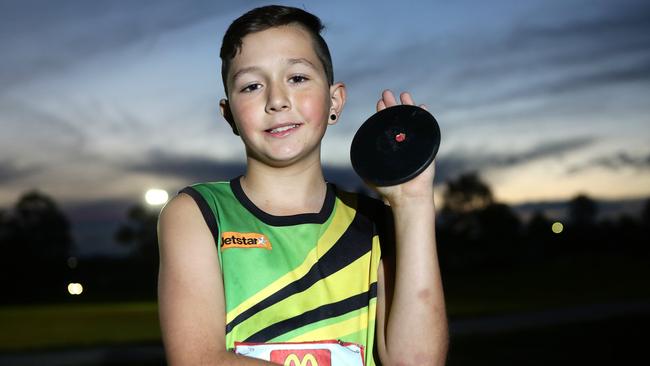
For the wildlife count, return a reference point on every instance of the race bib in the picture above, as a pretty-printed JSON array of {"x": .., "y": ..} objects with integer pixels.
[{"x": 323, "y": 353}]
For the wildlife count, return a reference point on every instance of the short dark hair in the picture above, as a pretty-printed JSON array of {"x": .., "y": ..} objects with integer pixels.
[{"x": 263, "y": 18}]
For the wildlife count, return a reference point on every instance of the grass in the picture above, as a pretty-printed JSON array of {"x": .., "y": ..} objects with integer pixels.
[
  {"x": 569, "y": 282},
  {"x": 51, "y": 326}
]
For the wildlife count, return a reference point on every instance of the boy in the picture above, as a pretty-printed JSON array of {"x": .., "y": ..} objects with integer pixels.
[{"x": 278, "y": 264}]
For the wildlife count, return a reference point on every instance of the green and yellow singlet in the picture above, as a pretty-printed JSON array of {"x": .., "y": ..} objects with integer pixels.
[{"x": 301, "y": 278}]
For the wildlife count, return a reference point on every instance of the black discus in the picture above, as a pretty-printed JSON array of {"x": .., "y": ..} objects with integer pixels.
[{"x": 395, "y": 145}]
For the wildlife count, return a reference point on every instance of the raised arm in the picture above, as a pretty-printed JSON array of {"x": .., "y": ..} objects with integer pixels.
[
  {"x": 411, "y": 318},
  {"x": 190, "y": 290}
]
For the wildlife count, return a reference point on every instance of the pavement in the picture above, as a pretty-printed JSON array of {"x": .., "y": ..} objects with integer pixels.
[{"x": 545, "y": 318}]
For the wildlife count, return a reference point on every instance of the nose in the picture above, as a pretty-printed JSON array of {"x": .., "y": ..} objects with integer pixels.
[{"x": 277, "y": 99}]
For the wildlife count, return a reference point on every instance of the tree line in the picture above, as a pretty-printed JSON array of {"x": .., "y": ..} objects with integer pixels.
[
  {"x": 474, "y": 233},
  {"x": 477, "y": 233}
]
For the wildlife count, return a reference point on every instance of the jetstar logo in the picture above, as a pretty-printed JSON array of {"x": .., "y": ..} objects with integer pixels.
[
  {"x": 233, "y": 239},
  {"x": 302, "y": 357}
]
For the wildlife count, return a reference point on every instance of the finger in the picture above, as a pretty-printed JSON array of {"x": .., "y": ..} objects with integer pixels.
[
  {"x": 380, "y": 105},
  {"x": 406, "y": 98},
  {"x": 389, "y": 98},
  {"x": 423, "y": 106}
]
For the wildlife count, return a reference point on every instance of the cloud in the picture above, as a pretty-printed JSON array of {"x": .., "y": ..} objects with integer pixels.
[
  {"x": 10, "y": 171},
  {"x": 30, "y": 131},
  {"x": 615, "y": 35},
  {"x": 592, "y": 79},
  {"x": 188, "y": 167},
  {"x": 579, "y": 54},
  {"x": 453, "y": 164},
  {"x": 619, "y": 161},
  {"x": 192, "y": 169},
  {"x": 200, "y": 169},
  {"x": 42, "y": 37},
  {"x": 543, "y": 150},
  {"x": 628, "y": 19},
  {"x": 559, "y": 51}
]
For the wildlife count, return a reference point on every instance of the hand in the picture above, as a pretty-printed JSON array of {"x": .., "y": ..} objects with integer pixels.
[{"x": 419, "y": 188}]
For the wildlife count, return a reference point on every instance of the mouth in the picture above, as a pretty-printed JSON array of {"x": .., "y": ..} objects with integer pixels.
[{"x": 283, "y": 130}]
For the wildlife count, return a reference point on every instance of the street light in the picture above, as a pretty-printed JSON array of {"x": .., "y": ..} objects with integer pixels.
[
  {"x": 75, "y": 288},
  {"x": 156, "y": 197}
]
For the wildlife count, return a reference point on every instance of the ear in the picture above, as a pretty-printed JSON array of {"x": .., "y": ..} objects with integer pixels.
[
  {"x": 227, "y": 115},
  {"x": 337, "y": 101}
]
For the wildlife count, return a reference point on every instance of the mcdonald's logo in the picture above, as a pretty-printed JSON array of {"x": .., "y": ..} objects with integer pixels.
[
  {"x": 302, "y": 357},
  {"x": 293, "y": 360}
]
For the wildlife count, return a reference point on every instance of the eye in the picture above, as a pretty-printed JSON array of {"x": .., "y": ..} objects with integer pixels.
[
  {"x": 296, "y": 79},
  {"x": 251, "y": 87}
]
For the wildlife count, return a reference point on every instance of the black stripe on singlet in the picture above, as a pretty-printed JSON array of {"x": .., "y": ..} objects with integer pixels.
[
  {"x": 354, "y": 243},
  {"x": 206, "y": 211},
  {"x": 312, "y": 316}
]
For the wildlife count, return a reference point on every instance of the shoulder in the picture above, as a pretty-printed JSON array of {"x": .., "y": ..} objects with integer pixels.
[
  {"x": 188, "y": 210},
  {"x": 194, "y": 210},
  {"x": 180, "y": 216},
  {"x": 199, "y": 198},
  {"x": 180, "y": 206},
  {"x": 183, "y": 236}
]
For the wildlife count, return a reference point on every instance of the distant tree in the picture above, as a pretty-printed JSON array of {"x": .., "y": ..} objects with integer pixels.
[
  {"x": 628, "y": 234},
  {"x": 459, "y": 229},
  {"x": 139, "y": 232},
  {"x": 467, "y": 193},
  {"x": 499, "y": 221},
  {"x": 644, "y": 232},
  {"x": 6, "y": 235},
  {"x": 39, "y": 229},
  {"x": 582, "y": 211},
  {"x": 538, "y": 225},
  {"x": 539, "y": 237},
  {"x": 500, "y": 233},
  {"x": 645, "y": 214},
  {"x": 35, "y": 243},
  {"x": 582, "y": 235},
  {"x": 474, "y": 230},
  {"x": 4, "y": 228}
]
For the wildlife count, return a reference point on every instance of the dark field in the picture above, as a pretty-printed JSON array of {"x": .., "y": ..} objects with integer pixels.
[
  {"x": 574, "y": 312},
  {"x": 617, "y": 341}
]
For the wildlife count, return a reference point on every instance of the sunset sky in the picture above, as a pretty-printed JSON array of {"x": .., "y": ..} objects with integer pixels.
[{"x": 101, "y": 100}]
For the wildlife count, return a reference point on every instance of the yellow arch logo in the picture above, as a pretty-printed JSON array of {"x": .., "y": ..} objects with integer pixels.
[{"x": 307, "y": 360}]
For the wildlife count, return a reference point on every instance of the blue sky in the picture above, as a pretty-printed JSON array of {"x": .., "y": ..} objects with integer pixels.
[{"x": 100, "y": 101}]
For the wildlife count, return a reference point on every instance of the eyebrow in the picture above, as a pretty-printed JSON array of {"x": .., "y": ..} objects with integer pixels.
[
  {"x": 291, "y": 61},
  {"x": 302, "y": 60},
  {"x": 245, "y": 70}
]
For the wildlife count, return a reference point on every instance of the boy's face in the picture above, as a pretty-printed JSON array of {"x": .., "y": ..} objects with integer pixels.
[{"x": 279, "y": 97}]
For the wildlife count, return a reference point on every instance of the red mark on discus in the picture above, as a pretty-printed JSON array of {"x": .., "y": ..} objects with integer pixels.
[{"x": 400, "y": 137}]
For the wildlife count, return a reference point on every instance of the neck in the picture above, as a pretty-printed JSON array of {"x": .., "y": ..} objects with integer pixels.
[{"x": 291, "y": 190}]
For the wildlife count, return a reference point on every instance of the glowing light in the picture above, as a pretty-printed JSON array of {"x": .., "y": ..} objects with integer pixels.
[
  {"x": 75, "y": 288},
  {"x": 156, "y": 196},
  {"x": 557, "y": 227}
]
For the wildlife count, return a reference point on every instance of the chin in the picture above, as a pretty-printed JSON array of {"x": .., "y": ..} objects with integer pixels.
[
  {"x": 281, "y": 161},
  {"x": 287, "y": 157}
]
